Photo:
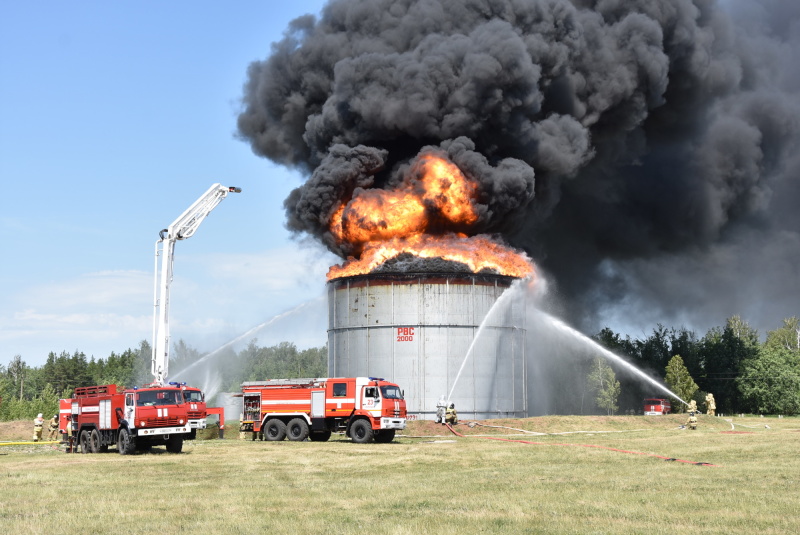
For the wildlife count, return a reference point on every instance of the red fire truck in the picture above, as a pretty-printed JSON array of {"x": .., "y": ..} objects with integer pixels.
[
  {"x": 133, "y": 419},
  {"x": 657, "y": 406},
  {"x": 364, "y": 408}
]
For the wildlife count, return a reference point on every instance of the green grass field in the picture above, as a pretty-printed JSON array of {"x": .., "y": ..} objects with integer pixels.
[{"x": 428, "y": 481}]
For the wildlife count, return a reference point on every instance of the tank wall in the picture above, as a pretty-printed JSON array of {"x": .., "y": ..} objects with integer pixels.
[{"x": 420, "y": 331}]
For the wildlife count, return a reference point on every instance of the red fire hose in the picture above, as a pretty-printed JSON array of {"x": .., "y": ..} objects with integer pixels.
[{"x": 583, "y": 446}]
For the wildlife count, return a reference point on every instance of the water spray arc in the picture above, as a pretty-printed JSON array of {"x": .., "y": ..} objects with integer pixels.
[
  {"x": 605, "y": 353},
  {"x": 521, "y": 290},
  {"x": 507, "y": 295},
  {"x": 205, "y": 358}
]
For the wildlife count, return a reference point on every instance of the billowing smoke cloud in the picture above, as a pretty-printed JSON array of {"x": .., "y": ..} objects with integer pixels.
[{"x": 662, "y": 136}]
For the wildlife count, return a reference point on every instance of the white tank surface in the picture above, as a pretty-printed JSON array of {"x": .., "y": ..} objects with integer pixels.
[{"x": 417, "y": 329}]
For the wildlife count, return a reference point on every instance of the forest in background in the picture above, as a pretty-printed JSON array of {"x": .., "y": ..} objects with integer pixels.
[{"x": 744, "y": 374}]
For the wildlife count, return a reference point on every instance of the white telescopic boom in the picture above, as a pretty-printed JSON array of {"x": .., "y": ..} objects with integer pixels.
[{"x": 180, "y": 229}]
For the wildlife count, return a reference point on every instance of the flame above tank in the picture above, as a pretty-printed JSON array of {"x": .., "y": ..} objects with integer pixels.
[{"x": 432, "y": 214}]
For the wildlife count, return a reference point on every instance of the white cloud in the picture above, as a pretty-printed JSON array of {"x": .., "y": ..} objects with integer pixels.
[
  {"x": 215, "y": 298},
  {"x": 95, "y": 313}
]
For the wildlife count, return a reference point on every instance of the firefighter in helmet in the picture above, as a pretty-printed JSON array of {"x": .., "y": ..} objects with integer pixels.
[
  {"x": 711, "y": 405},
  {"x": 691, "y": 423},
  {"x": 242, "y": 433},
  {"x": 451, "y": 417},
  {"x": 441, "y": 405},
  {"x": 53, "y": 428},
  {"x": 38, "y": 426},
  {"x": 68, "y": 432}
]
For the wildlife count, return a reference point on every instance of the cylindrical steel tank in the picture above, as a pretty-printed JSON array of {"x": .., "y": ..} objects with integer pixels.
[{"x": 432, "y": 333}]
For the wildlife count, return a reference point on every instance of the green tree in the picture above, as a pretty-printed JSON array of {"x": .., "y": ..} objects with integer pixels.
[
  {"x": 182, "y": 356},
  {"x": 685, "y": 343},
  {"x": 654, "y": 351},
  {"x": 770, "y": 382},
  {"x": 142, "y": 370},
  {"x": 679, "y": 381},
  {"x": 16, "y": 372},
  {"x": 723, "y": 352},
  {"x": 786, "y": 337},
  {"x": 603, "y": 382}
]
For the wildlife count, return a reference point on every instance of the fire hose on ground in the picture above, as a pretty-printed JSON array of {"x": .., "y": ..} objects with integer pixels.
[
  {"x": 583, "y": 446},
  {"x": 30, "y": 443}
]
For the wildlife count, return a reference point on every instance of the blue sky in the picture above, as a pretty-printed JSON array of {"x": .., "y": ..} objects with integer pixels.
[{"x": 114, "y": 118}]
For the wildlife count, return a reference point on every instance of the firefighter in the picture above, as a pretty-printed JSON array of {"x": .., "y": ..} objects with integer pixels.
[
  {"x": 441, "y": 405},
  {"x": 711, "y": 405},
  {"x": 692, "y": 406},
  {"x": 451, "y": 417},
  {"x": 53, "y": 428},
  {"x": 38, "y": 426},
  {"x": 691, "y": 423},
  {"x": 242, "y": 433},
  {"x": 68, "y": 433}
]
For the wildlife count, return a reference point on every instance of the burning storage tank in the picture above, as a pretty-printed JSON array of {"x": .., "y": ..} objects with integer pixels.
[{"x": 432, "y": 333}]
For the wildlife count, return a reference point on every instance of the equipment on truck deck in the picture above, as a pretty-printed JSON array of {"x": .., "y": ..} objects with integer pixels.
[{"x": 364, "y": 408}]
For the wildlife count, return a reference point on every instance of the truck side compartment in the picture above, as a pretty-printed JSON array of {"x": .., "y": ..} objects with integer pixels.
[{"x": 362, "y": 408}]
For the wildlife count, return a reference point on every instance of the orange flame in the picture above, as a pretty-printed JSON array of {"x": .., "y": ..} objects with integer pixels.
[
  {"x": 477, "y": 252},
  {"x": 436, "y": 197}
]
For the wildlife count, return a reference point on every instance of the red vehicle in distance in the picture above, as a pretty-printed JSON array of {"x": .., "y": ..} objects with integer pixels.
[{"x": 657, "y": 406}]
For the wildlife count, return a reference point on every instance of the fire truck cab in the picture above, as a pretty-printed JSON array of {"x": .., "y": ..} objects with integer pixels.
[
  {"x": 364, "y": 408},
  {"x": 133, "y": 419},
  {"x": 656, "y": 406}
]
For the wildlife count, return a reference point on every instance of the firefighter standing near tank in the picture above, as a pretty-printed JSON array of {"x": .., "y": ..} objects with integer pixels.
[
  {"x": 441, "y": 405},
  {"x": 451, "y": 417},
  {"x": 38, "y": 426}
]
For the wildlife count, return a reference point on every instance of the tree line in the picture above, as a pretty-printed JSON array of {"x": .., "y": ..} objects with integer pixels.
[
  {"x": 27, "y": 390},
  {"x": 744, "y": 374}
]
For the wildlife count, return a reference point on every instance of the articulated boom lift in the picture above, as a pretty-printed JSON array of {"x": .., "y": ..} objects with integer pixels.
[{"x": 182, "y": 228}]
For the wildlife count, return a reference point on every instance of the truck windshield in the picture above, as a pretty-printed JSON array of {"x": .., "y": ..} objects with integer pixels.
[
  {"x": 192, "y": 396},
  {"x": 151, "y": 398},
  {"x": 391, "y": 392}
]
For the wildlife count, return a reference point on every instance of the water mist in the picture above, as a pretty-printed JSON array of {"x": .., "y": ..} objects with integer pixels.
[
  {"x": 205, "y": 372},
  {"x": 557, "y": 355}
]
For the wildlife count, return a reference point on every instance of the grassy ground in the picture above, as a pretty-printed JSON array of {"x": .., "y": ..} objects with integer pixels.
[{"x": 427, "y": 481}]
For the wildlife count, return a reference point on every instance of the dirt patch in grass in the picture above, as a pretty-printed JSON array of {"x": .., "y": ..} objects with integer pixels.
[{"x": 16, "y": 430}]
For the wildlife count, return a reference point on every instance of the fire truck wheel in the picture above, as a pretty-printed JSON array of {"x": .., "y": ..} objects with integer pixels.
[
  {"x": 385, "y": 436},
  {"x": 84, "y": 442},
  {"x": 126, "y": 445},
  {"x": 361, "y": 431},
  {"x": 297, "y": 429},
  {"x": 94, "y": 441},
  {"x": 274, "y": 430},
  {"x": 175, "y": 444},
  {"x": 320, "y": 436}
]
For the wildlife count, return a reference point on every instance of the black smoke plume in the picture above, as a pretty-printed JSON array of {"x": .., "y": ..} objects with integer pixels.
[{"x": 663, "y": 136}]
